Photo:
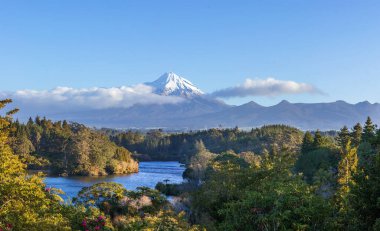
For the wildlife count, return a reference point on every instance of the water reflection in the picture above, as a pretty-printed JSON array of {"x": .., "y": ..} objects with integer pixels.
[{"x": 149, "y": 175}]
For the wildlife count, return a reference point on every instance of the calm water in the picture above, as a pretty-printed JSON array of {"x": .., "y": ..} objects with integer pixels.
[{"x": 149, "y": 175}]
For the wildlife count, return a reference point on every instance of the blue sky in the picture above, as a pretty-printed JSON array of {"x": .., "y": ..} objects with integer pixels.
[{"x": 333, "y": 45}]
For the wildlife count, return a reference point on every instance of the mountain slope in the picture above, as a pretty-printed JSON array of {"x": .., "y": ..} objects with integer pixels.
[
  {"x": 198, "y": 111},
  {"x": 171, "y": 116},
  {"x": 201, "y": 113},
  {"x": 174, "y": 85},
  {"x": 323, "y": 116}
]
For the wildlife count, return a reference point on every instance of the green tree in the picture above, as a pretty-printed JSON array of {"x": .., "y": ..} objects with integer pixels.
[
  {"x": 276, "y": 203},
  {"x": 365, "y": 197},
  {"x": 199, "y": 162},
  {"x": 347, "y": 168},
  {"x": 356, "y": 134},
  {"x": 307, "y": 142},
  {"x": 105, "y": 196},
  {"x": 318, "y": 139},
  {"x": 343, "y": 137},
  {"x": 369, "y": 130},
  {"x": 25, "y": 204},
  {"x": 238, "y": 197},
  {"x": 310, "y": 163}
]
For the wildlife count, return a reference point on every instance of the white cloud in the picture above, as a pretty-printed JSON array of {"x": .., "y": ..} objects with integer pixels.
[
  {"x": 69, "y": 100},
  {"x": 266, "y": 87},
  {"x": 66, "y": 99}
]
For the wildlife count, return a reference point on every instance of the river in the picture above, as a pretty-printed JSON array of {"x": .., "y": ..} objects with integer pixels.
[{"x": 150, "y": 173}]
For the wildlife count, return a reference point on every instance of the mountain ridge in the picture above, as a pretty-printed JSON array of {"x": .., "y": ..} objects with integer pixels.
[
  {"x": 202, "y": 113},
  {"x": 171, "y": 84},
  {"x": 198, "y": 110}
]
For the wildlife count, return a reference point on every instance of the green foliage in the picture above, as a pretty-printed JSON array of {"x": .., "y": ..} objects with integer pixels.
[
  {"x": 168, "y": 189},
  {"x": 226, "y": 191},
  {"x": 369, "y": 130},
  {"x": 198, "y": 163},
  {"x": 347, "y": 167},
  {"x": 101, "y": 193},
  {"x": 239, "y": 196},
  {"x": 364, "y": 196},
  {"x": 307, "y": 142},
  {"x": 82, "y": 218},
  {"x": 143, "y": 209},
  {"x": 69, "y": 149},
  {"x": 158, "y": 145},
  {"x": 251, "y": 158},
  {"x": 276, "y": 204},
  {"x": 358, "y": 195},
  {"x": 342, "y": 191},
  {"x": 356, "y": 134},
  {"x": 165, "y": 220},
  {"x": 317, "y": 156},
  {"x": 311, "y": 162},
  {"x": 343, "y": 137},
  {"x": 318, "y": 139},
  {"x": 24, "y": 202}
]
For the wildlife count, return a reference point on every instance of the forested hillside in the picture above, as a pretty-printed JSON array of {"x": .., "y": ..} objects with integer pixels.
[
  {"x": 68, "y": 149},
  {"x": 292, "y": 181},
  {"x": 330, "y": 184},
  {"x": 158, "y": 145},
  {"x": 26, "y": 204}
]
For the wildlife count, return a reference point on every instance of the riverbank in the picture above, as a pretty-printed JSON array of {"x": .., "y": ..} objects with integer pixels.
[{"x": 149, "y": 175}]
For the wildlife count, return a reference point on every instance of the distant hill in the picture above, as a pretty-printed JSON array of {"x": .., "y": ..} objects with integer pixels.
[
  {"x": 174, "y": 85},
  {"x": 325, "y": 116},
  {"x": 197, "y": 110}
]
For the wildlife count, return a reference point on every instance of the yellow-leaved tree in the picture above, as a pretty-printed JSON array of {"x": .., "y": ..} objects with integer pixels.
[
  {"x": 25, "y": 203},
  {"x": 347, "y": 168}
]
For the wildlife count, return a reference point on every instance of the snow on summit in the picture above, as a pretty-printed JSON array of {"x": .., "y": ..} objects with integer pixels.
[{"x": 174, "y": 85}]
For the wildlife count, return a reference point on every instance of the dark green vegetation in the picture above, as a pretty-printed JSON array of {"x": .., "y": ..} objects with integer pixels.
[
  {"x": 143, "y": 209},
  {"x": 26, "y": 205},
  {"x": 68, "y": 149},
  {"x": 331, "y": 183},
  {"x": 158, "y": 145},
  {"x": 272, "y": 178}
]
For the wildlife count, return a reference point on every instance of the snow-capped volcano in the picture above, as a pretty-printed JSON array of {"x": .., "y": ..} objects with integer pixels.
[{"x": 174, "y": 85}]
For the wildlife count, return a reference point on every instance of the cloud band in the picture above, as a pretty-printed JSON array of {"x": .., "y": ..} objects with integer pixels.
[{"x": 266, "y": 87}]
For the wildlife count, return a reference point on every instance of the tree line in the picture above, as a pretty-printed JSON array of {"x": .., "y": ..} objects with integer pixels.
[
  {"x": 307, "y": 181},
  {"x": 27, "y": 204},
  {"x": 68, "y": 148},
  {"x": 157, "y": 145},
  {"x": 331, "y": 183}
]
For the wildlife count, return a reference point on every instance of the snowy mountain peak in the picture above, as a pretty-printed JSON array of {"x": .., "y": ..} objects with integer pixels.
[{"x": 174, "y": 85}]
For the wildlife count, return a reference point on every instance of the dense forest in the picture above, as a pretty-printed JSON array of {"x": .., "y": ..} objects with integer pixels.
[
  {"x": 330, "y": 184},
  {"x": 157, "y": 145},
  {"x": 272, "y": 178},
  {"x": 26, "y": 204},
  {"x": 68, "y": 149}
]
